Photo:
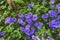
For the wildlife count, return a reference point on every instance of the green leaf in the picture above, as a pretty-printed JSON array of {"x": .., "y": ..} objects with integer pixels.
[
  {"x": 3, "y": 6},
  {"x": 4, "y": 15},
  {"x": 19, "y": 1},
  {"x": 16, "y": 33},
  {"x": 9, "y": 28},
  {"x": 1, "y": 28}
]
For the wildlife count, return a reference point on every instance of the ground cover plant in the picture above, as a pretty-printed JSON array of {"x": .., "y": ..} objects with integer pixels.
[{"x": 30, "y": 19}]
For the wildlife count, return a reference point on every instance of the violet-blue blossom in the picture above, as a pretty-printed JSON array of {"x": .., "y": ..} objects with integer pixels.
[
  {"x": 35, "y": 17},
  {"x": 20, "y": 21},
  {"x": 10, "y": 20},
  {"x": 50, "y": 38},
  {"x": 2, "y": 33},
  {"x": 27, "y": 27},
  {"x": 29, "y": 21},
  {"x": 27, "y": 32},
  {"x": 32, "y": 31},
  {"x": 58, "y": 11},
  {"x": 58, "y": 6},
  {"x": 30, "y": 5},
  {"x": 45, "y": 15},
  {"x": 52, "y": 13},
  {"x": 35, "y": 38},
  {"x": 28, "y": 37},
  {"x": 52, "y": 3},
  {"x": 13, "y": 19},
  {"x": 28, "y": 16},
  {"x": 58, "y": 17},
  {"x": 38, "y": 24},
  {"x": 22, "y": 29},
  {"x": 54, "y": 23},
  {"x": 20, "y": 15}
]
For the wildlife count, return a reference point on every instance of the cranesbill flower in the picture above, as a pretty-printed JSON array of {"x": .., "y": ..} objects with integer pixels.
[
  {"x": 58, "y": 11},
  {"x": 52, "y": 13},
  {"x": 27, "y": 32},
  {"x": 2, "y": 33},
  {"x": 52, "y": 3},
  {"x": 45, "y": 15},
  {"x": 20, "y": 15},
  {"x": 30, "y": 5},
  {"x": 29, "y": 21},
  {"x": 28, "y": 16},
  {"x": 50, "y": 38},
  {"x": 38, "y": 24},
  {"x": 27, "y": 26},
  {"x": 28, "y": 37},
  {"x": 58, "y": 6},
  {"x": 13, "y": 19},
  {"x": 22, "y": 29},
  {"x": 35, "y": 17},
  {"x": 35, "y": 38},
  {"x": 58, "y": 18},
  {"x": 54, "y": 23},
  {"x": 32, "y": 31},
  {"x": 20, "y": 21},
  {"x": 10, "y": 20}
]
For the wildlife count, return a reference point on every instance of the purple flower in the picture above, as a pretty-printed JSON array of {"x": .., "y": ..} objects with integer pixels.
[
  {"x": 28, "y": 16},
  {"x": 54, "y": 23},
  {"x": 58, "y": 11},
  {"x": 13, "y": 19},
  {"x": 58, "y": 17},
  {"x": 8, "y": 20},
  {"x": 35, "y": 38},
  {"x": 20, "y": 21},
  {"x": 32, "y": 31},
  {"x": 58, "y": 6},
  {"x": 50, "y": 38},
  {"x": 30, "y": 5},
  {"x": 27, "y": 32},
  {"x": 45, "y": 15},
  {"x": 29, "y": 21},
  {"x": 28, "y": 37},
  {"x": 22, "y": 29},
  {"x": 27, "y": 27},
  {"x": 52, "y": 3},
  {"x": 52, "y": 13},
  {"x": 38, "y": 24},
  {"x": 2, "y": 33},
  {"x": 20, "y": 15},
  {"x": 35, "y": 17}
]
